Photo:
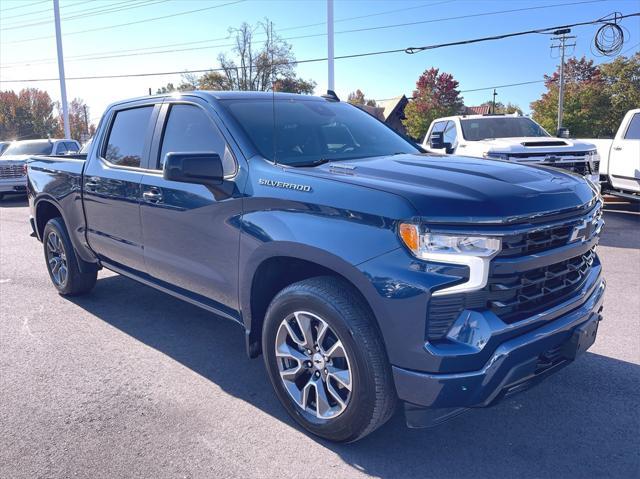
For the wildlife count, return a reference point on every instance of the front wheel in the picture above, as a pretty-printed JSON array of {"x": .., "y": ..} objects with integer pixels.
[
  {"x": 326, "y": 361},
  {"x": 62, "y": 264}
]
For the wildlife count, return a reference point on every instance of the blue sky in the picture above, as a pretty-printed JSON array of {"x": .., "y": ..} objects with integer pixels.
[{"x": 474, "y": 66}]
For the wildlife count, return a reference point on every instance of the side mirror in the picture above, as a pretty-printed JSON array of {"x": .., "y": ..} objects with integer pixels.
[
  {"x": 436, "y": 140},
  {"x": 563, "y": 132},
  {"x": 200, "y": 168}
]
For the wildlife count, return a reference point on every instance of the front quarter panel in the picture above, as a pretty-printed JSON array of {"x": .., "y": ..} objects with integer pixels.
[{"x": 334, "y": 224}]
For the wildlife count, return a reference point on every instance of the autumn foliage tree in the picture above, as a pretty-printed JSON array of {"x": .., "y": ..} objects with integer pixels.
[
  {"x": 27, "y": 114},
  {"x": 436, "y": 95},
  {"x": 358, "y": 98},
  {"x": 79, "y": 124},
  {"x": 586, "y": 101}
]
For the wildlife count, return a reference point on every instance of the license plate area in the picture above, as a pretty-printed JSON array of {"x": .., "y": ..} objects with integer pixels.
[{"x": 581, "y": 339}]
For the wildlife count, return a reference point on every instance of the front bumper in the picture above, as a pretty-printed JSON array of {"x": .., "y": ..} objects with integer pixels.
[
  {"x": 17, "y": 185},
  {"x": 514, "y": 364}
]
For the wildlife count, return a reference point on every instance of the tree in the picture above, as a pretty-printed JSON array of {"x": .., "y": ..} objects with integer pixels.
[
  {"x": 436, "y": 95},
  {"x": 79, "y": 125},
  {"x": 27, "y": 114},
  {"x": 294, "y": 85},
  {"x": 357, "y": 98},
  {"x": 622, "y": 80},
  {"x": 587, "y": 102},
  {"x": 502, "y": 109},
  {"x": 258, "y": 70}
]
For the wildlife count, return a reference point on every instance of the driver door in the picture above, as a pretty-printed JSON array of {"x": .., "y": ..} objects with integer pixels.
[{"x": 191, "y": 238}]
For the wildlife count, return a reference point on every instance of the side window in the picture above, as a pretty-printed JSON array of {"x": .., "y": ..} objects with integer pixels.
[
  {"x": 61, "y": 149},
  {"x": 438, "y": 126},
  {"x": 450, "y": 133},
  {"x": 125, "y": 144},
  {"x": 71, "y": 147},
  {"x": 189, "y": 129},
  {"x": 633, "y": 132}
]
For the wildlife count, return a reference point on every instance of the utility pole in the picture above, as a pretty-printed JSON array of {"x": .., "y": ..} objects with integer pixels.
[
  {"x": 330, "y": 43},
  {"x": 63, "y": 85},
  {"x": 562, "y": 38},
  {"x": 86, "y": 121},
  {"x": 495, "y": 94}
]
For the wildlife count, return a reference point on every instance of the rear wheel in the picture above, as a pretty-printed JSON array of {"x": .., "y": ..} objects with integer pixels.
[
  {"x": 62, "y": 264},
  {"x": 326, "y": 360}
]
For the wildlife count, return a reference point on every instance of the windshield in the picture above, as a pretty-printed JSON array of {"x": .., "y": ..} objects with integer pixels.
[
  {"x": 310, "y": 132},
  {"x": 38, "y": 147},
  {"x": 475, "y": 129}
]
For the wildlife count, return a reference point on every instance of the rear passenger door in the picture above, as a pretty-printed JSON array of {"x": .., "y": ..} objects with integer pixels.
[
  {"x": 624, "y": 162},
  {"x": 112, "y": 185},
  {"x": 191, "y": 235}
]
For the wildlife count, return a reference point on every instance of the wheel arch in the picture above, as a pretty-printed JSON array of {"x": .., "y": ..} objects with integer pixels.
[
  {"x": 285, "y": 264},
  {"x": 47, "y": 208}
]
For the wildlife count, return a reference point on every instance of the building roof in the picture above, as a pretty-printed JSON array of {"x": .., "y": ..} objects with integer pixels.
[
  {"x": 392, "y": 104},
  {"x": 478, "y": 110}
]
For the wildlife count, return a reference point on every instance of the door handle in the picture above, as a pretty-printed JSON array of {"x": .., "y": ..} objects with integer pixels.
[
  {"x": 152, "y": 196},
  {"x": 91, "y": 183},
  {"x": 617, "y": 148}
]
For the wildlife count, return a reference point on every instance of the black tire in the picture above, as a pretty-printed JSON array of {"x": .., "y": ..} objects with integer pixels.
[
  {"x": 73, "y": 282},
  {"x": 372, "y": 397}
]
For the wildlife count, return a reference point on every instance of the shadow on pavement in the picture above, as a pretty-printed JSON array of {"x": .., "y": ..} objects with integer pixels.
[
  {"x": 14, "y": 201},
  {"x": 622, "y": 225},
  {"x": 582, "y": 422}
]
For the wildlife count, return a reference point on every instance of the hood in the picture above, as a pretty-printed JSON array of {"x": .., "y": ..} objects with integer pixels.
[
  {"x": 460, "y": 189},
  {"x": 535, "y": 145},
  {"x": 15, "y": 158}
]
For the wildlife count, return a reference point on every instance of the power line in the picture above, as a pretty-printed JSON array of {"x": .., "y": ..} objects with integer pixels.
[
  {"x": 62, "y": 7},
  {"x": 24, "y": 6},
  {"x": 92, "y": 56},
  {"x": 97, "y": 29},
  {"x": 341, "y": 57},
  {"x": 91, "y": 12},
  {"x": 88, "y": 57}
]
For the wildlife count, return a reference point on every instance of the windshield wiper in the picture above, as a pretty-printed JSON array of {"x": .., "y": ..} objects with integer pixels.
[{"x": 318, "y": 162}]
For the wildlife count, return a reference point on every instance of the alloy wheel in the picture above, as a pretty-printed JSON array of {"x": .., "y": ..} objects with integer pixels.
[
  {"x": 313, "y": 364},
  {"x": 57, "y": 259}
]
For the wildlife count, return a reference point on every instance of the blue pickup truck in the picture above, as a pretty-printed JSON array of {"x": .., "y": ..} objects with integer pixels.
[{"x": 363, "y": 270}]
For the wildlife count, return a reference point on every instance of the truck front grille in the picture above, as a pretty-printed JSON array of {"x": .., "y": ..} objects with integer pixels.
[
  {"x": 546, "y": 237},
  {"x": 516, "y": 297},
  {"x": 513, "y": 297},
  {"x": 11, "y": 171}
]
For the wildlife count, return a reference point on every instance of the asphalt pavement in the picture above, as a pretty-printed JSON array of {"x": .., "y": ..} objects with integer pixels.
[{"x": 129, "y": 382}]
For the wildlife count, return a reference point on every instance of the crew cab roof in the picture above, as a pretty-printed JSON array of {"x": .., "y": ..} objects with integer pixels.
[{"x": 225, "y": 95}]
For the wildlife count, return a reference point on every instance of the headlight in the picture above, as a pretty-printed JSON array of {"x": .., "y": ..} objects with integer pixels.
[
  {"x": 492, "y": 155},
  {"x": 475, "y": 252}
]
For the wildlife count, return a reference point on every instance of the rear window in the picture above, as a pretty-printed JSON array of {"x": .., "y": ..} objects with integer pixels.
[
  {"x": 36, "y": 147},
  {"x": 125, "y": 145}
]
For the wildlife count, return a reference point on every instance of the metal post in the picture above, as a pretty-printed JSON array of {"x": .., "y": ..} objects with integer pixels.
[
  {"x": 495, "y": 94},
  {"x": 330, "y": 43},
  {"x": 63, "y": 86},
  {"x": 562, "y": 38}
]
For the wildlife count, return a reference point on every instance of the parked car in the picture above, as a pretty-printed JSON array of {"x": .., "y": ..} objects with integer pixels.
[
  {"x": 364, "y": 271},
  {"x": 512, "y": 138},
  {"x": 3, "y": 146},
  {"x": 620, "y": 164},
  {"x": 13, "y": 178}
]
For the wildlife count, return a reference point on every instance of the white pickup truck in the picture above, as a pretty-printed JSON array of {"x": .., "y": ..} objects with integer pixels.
[
  {"x": 620, "y": 164},
  {"x": 513, "y": 138}
]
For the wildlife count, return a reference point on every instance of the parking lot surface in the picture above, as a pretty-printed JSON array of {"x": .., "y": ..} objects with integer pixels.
[{"x": 129, "y": 382}]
